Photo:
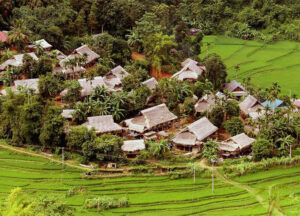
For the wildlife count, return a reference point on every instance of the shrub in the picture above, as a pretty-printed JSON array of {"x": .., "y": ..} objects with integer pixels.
[
  {"x": 216, "y": 116},
  {"x": 261, "y": 148},
  {"x": 106, "y": 202},
  {"x": 232, "y": 108},
  {"x": 234, "y": 126}
]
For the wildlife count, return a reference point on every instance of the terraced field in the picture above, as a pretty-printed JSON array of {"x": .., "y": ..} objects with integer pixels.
[
  {"x": 265, "y": 63},
  {"x": 152, "y": 195}
]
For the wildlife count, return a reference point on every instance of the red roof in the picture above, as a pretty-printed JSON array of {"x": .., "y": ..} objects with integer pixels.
[{"x": 3, "y": 37}]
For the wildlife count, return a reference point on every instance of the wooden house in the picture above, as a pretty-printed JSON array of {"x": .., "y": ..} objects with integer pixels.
[
  {"x": 191, "y": 70},
  {"x": 154, "y": 118},
  {"x": 133, "y": 147},
  {"x": 113, "y": 79},
  {"x": 192, "y": 137},
  {"x": 236, "y": 88},
  {"x": 103, "y": 124},
  {"x": 235, "y": 145}
]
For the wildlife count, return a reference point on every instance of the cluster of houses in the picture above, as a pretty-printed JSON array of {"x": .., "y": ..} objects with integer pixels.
[{"x": 151, "y": 123}]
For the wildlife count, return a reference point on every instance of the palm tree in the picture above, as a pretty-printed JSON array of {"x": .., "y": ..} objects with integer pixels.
[
  {"x": 39, "y": 50},
  {"x": 6, "y": 54},
  {"x": 19, "y": 34},
  {"x": 285, "y": 143}
]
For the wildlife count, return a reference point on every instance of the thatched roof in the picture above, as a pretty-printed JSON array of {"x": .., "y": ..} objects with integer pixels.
[
  {"x": 234, "y": 86},
  {"x": 16, "y": 61},
  {"x": 43, "y": 43},
  {"x": 133, "y": 145},
  {"x": 27, "y": 83},
  {"x": 190, "y": 70},
  {"x": 150, "y": 83},
  {"x": 237, "y": 143},
  {"x": 113, "y": 79},
  {"x": 157, "y": 115},
  {"x": 88, "y": 86},
  {"x": 198, "y": 131},
  {"x": 206, "y": 103},
  {"x": 91, "y": 55},
  {"x": 102, "y": 124},
  {"x": 151, "y": 118},
  {"x": 67, "y": 113}
]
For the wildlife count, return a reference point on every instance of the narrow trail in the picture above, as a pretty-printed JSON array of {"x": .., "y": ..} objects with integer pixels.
[
  {"x": 247, "y": 188},
  {"x": 24, "y": 151}
]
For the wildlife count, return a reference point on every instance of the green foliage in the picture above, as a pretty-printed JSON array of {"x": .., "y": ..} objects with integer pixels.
[
  {"x": 188, "y": 106},
  {"x": 106, "y": 202},
  {"x": 49, "y": 85},
  {"x": 52, "y": 132},
  {"x": 73, "y": 91},
  {"x": 216, "y": 116},
  {"x": 215, "y": 70},
  {"x": 172, "y": 92},
  {"x": 78, "y": 136},
  {"x": 232, "y": 108},
  {"x": 202, "y": 88},
  {"x": 210, "y": 150},
  {"x": 234, "y": 126},
  {"x": 261, "y": 148},
  {"x": 19, "y": 203},
  {"x": 158, "y": 149}
]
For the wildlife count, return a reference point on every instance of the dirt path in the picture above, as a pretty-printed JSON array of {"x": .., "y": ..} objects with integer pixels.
[
  {"x": 245, "y": 187},
  {"x": 24, "y": 151}
]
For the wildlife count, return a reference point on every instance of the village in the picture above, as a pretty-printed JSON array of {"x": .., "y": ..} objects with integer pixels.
[{"x": 155, "y": 122}]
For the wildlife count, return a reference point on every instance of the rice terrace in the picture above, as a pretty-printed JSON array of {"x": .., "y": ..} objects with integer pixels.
[
  {"x": 246, "y": 195},
  {"x": 150, "y": 108},
  {"x": 264, "y": 63}
]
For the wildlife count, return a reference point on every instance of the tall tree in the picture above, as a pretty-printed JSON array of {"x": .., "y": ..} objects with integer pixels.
[{"x": 215, "y": 70}]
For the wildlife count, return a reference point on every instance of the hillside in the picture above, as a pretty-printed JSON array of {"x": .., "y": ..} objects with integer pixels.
[
  {"x": 151, "y": 195},
  {"x": 264, "y": 63}
]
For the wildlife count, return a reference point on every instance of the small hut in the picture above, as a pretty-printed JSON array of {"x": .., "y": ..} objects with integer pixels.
[
  {"x": 274, "y": 104},
  {"x": 16, "y": 61},
  {"x": 27, "y": 83},
  {"x": 206, "y": 103},
  {"x": 113, "y": 79},
  {"x": 153, "y": 118},
  {"x": 236, "y": 88},
  {"x": 250, "y": 106},
  {"x": 191, "y": 70},
  {"x": 43, "y": 43},
  {"x": 150, "y": 83},
  {"x": 133, "y": 147},
  {"x": 88, "y": 86},
  {"x": 236, "y": 145},
  {"x": 192, "y": 137},
  {"x": 103, "y": 124}
]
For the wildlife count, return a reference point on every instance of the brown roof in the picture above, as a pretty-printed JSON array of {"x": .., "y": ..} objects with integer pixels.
[
  {"x": 114, "y": 78},
  {"x": 234, "y": 86},
  {"x": 237, "y": 143},
  {"x": 88, "y": 86},
  {"x": 150, "y": 83},
  {"x": 16, "y": 60},
  {"x": 190, "y": 70},
  {"x": 206, "y": 103},
  {"x": 200, "y": 129},
  {"x": 91, "y": 55},
  {"x": 133, "y": 145},
  {"x": 102, "y": 124},
  {"x": 157, "y": 115},
  {"x": 250, "y": 104},
  {"x": 151, "y": 118}
]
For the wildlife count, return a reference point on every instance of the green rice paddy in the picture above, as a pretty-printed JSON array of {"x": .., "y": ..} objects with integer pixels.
[
  {"x": 264, "y": 63},
  {"x": 150, "y": 195}
]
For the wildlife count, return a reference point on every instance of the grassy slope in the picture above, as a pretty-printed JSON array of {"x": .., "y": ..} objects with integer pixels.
[
  {"x": 148, "y": 195},
  {"x": 265, "y": 63}
]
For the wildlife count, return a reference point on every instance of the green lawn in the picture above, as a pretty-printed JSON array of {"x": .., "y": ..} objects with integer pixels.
[
  {"x": 264, "y": 63},
  {"x": 149, "y": 195}
]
